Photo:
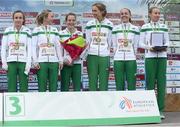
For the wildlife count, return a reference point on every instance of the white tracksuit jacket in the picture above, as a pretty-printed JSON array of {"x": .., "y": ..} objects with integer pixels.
[
  {"x": 102, "y": 48},
  {"x": 145, "y": 37},
  {"x": 122, "y": 52},
  {"x": 42, "y": 51},
  {"x": 8, "y": 51}
]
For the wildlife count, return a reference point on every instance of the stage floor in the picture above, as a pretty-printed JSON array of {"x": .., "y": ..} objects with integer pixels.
[{"x": 172, "y": 120}]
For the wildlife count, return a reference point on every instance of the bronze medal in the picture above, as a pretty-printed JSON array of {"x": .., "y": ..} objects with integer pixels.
[
  {"x": 98, "y": 39},
  {"x": 16, "y": 46},
  {"x": 125, "y": 43},
  {"x": 49, "y": 45}
]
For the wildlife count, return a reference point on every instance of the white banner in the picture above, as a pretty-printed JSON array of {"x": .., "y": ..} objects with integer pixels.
[
  {"x": 173, "y": 63},
  {"x": 173, "y": 90},
  {"x": 59, "y": 2},
  {"x": 171, "y": 77},
  {"x": 174, "y": 43},
  {"x": 173, "y": 70},
  {"x": 172, "y": 23},
  {"x": 1, "y": 109},
  {"x": 81, "y": 108},
  {"x": 173, "y": 84}
]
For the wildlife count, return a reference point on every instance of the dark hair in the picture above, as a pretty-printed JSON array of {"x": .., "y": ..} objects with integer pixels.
[
  {"x": 40, "y": 18},
  {"x": 151, "y": 9},
  {"x": 129, "y": 13},
  {"x": 102, "y": 8},
  {"x": 73, "y": 14},
  {"x": 19, "y": 11}
]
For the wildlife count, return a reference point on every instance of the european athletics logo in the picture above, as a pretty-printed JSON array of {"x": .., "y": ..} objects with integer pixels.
[{"x": 125, "y": 102}]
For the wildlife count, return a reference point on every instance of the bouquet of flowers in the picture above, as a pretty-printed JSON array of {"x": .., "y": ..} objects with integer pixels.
[{"x": 74, "y": 46}]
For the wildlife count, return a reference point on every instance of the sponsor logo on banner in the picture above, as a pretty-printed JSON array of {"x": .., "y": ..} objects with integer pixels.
[
  {"x": 3, "y": 71},
  {"x": 87, "y": 15},
  {"x": 56, "y": 22},
  {"x": 31, "y": 14},
  {"x": 174, "y": 37},
  {"x": 175, "y": 43},
  {"x": 58, "y": 2},
  {"x": 5, "y": 15},
  {"x": 172, "y": 23},
  {"x": 174, "y": 30},
  {"x": 140, "y": 62},
  {"x": 132, "y": 105},
  {"x": 173, "y": 70},
  {"x": 171, "y": 77},
  {"x": 171, "y": 17},
  {"x": 113, "y": 15},
  {"x": 140, "y": 77},
  {"x": 30, "y": 21},
  {"x": 173, "y": 83},
  {"x": 174, "y": 62},
  {"x": 140, "y": 84},
  {"x": 125, "y": 103},
  {"x": 140, "y": 70},
  {"x": 173, "y": 90}
]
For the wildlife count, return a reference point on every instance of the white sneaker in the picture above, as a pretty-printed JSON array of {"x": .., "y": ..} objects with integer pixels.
[{"x": 162, "y": 115}]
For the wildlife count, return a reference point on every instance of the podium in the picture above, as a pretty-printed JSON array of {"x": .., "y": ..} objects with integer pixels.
[
  {"x": 1, "y": 109},
  {"x": 172, "y": 102},
  {"x": 80, "y": 108}
]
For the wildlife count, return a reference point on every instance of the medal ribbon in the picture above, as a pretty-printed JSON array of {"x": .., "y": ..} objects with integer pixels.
[
  {"x": 16, "y": 36},
  {"x": 126, "y": 32},
  {"x": 154, "y": 28},
  {"x": 98, "y": 28},
  {"x": 47, "y": 33}
]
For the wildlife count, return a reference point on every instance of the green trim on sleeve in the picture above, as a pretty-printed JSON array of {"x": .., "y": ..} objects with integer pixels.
[
  {"x": 150, "y": 29},
  {"x": 130, "y": 31},
  {"x": 102, "y": 26},
  {"x": 12, "y": 32},
  {"x": 36, "y": 34},
  {"x": 64, "y": 35}
]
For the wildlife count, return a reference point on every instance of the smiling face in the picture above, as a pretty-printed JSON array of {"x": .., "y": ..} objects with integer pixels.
[
  {"x": 97, "y": 13},
  {"x": 154, "y": 14},
  {"x": 18, "y": 19},
  {"x": 71, "y": 21},
  {"x": 125, "y": 15}
]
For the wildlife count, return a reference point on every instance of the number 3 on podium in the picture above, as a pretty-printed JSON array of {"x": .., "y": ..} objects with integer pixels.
[{"x": 14, "y": 105}]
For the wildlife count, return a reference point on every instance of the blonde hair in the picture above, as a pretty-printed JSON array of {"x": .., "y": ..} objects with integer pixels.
[{"x": 43, "y": 15}]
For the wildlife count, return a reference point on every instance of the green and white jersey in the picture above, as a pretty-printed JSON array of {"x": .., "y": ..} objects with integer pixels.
[
  {"x": 16, "y": 45},
  {"x": 122, "y": 33},
  {"x": 146, "y": 36},
  {"x": 64, "y": 35},
  {"x": 99, "y": 37},
  {"x": 46, "y": 45}
]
